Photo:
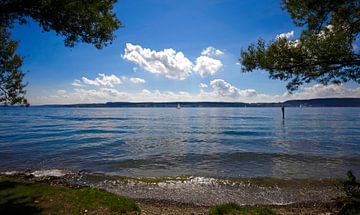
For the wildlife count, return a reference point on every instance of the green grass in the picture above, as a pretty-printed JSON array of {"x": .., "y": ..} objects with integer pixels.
[
  {"x": 234, "y": 209},
  {"x": 22, "y": 197}
]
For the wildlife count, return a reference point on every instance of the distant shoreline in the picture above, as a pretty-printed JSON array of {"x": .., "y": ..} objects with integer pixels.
[{"x": 320, "y": 102}]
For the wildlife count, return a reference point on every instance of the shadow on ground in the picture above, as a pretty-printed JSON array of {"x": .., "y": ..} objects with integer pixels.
[{"x": 15, "y": 203}]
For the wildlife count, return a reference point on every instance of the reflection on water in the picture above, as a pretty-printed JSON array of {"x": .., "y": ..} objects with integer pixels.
[{"x": 216, "y": 142}]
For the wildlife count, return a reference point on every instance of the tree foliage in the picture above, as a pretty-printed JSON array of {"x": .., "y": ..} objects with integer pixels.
[
  {"x": 325, "y": 52},
  {"x": 88, "y": 21},
  {"x": 11, "y": 86}
]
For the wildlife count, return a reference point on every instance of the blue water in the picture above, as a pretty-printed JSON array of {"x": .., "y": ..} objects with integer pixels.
[{"x": 212, "y": 142}]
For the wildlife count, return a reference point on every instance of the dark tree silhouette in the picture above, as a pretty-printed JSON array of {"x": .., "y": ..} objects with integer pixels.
[
  {"x": 88, "y": 21},
  {"x": 11, "y": 86}
]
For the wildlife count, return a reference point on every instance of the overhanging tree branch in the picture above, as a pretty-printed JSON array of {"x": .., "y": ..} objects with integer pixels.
[
  {"x": 88, "y": 21},
  {"x": 324, "y": 51}
]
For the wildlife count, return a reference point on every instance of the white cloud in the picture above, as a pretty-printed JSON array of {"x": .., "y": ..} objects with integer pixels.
[
  {"x": 217, "y": 90},
  {"x": 293, "y": 43},
  {"x": 171, "y": 64},
  {"x": 145, "y": 91},
  {"x": 61, "y": 92},
  {"x": 211, "y": 51},
  {"x": 223, "y": 88},
  {"x": 203, "y": 86},
  {"x": 287, "y": 35},
  {"x": 206, "y": 66},
  {"x": 97, "y": 95},
  {"x": 325, "y": 91},
  {"x": 323, "y": 34},
  {"x": 103, "y": 80},
  {"x": 77, "y": 83},
  {"x": 137, "y": 80}
]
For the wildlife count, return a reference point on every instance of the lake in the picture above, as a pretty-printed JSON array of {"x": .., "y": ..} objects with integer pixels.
[{"x": 208, "y": 142}]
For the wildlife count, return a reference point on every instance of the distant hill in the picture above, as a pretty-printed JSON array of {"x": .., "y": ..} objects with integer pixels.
[
  {"x": 327, "y": 102},
  {"x": 330, "y": 102}
]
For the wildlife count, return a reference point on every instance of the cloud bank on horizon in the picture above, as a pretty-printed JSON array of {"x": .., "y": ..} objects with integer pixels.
[{"x": 103, "y": 89}]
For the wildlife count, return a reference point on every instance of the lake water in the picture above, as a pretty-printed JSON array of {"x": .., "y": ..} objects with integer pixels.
[{"x": 209, "y": 142}]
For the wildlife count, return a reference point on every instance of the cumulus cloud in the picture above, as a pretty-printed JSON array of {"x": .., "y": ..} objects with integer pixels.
[
  {"x": 223, "y": 88},
  {"x": 206, "y": 66},
  {"x": 203, "y": 86},
  {"x": 77, "y": 83},
  {"x": 137, "y": 80},
  {"x": 171, "y": 64},
  {"x": 211, "y": 51},
  {"x": 287, "y": 35},
  {"x": 103, "y": 80},
  {"x": 98, "y": 95},
  {"x": 145, "y": 91},
  {"x": 61, "y": 92}
]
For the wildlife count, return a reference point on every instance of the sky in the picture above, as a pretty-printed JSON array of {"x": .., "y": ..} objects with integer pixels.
[{"x": 168, "y": 50}]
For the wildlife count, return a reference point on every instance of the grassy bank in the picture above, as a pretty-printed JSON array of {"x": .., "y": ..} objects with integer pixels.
[{"x": 23, "y": 197}]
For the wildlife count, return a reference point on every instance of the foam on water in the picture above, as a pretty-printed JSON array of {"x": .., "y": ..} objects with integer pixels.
[
  {"x": 50, "y": 172},
  {"x": 38, "y": 173}
]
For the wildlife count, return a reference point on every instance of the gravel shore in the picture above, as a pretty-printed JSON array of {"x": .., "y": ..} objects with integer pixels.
[{"x": 194, "y": 195}]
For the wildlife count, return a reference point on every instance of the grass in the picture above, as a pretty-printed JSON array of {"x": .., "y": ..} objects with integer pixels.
[
  {"x": 234, "y": 209},
  {"x": 23, "y": 197}
]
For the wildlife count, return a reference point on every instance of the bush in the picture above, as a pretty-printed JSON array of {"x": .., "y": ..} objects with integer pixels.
[{"x": 352, "y": 190}]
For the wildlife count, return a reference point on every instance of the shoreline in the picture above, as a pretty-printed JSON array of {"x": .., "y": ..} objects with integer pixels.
[
  {"x": 196, "y": 191},
  {"x": 151, "y": 206}
]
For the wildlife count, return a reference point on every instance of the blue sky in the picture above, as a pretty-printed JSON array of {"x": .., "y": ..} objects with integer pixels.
[{"x": 168, "y": 50}]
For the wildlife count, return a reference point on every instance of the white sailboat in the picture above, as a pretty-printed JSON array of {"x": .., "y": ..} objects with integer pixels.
[{"x": 178, "y": 106}]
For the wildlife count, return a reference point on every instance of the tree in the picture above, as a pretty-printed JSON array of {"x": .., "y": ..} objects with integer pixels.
[
  {"x": 88, "y": 21},
  {"x": 325, "y": 52},
  {"x": 11, "y": 86}
]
